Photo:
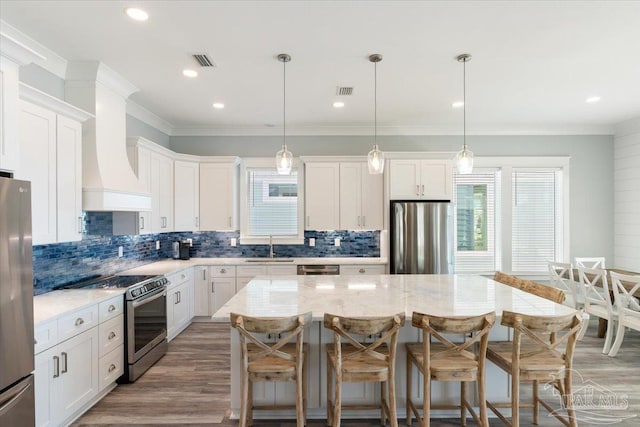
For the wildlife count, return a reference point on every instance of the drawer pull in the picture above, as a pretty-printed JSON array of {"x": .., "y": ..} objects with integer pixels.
[
  {"x": 111, "y": 336},
  {"x": 111, "y": 308},
  {"x": 204, "y": 274},
  {"x": 362, "y": 271},
  {"x": 56, "y": 366},
  {"x": 112, "y": 368},
  {"x": 64, "y": 361},
  {"x": 35, "y": 341},
  {"x": 79, "y": 321},
  {"x": 223, "y": 271}
]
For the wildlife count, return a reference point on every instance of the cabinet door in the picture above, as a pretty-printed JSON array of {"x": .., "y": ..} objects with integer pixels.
[
  {"x": 217, "y": 201},
  {"x": 404, "y": 179},
  {"x": 69, "y": 179},
  {"x": 145, "y": 223},
  {"x": 45, "y": 369},
  {"x": 222, "y": 290},
  {"x": 161, "y": 193},
  {"x": 372, "y": 200},
  {"x": 79, "y": 375},
  {"x": 322, "y": 196},
  {"x": 178, "y": 309},
  {"x": 187, "y": 193},
  {"x": 350, "y": 196},
  {"x": 38, "y": 165},
  {"x": 436, "y": 177},
  {"x": 201, "y": 292},
  {"x": 9, "y": 141}
]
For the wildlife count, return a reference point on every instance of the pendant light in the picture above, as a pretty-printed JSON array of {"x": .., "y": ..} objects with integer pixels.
[
  {"x": 464, "y": 158},
  {"x": 284, "y": 158},
  {"x": 375, "y": 158}
]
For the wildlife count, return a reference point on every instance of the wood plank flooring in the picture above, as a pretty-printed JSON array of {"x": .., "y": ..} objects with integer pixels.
[{"x": 190, "y": 385}]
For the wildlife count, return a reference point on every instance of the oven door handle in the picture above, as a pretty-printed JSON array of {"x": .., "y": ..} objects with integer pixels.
[{"x": 143, "y": 301}]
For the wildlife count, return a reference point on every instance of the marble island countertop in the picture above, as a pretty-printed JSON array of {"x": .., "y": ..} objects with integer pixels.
[
  {"x": 170, "y": 266},
  {"x": 54, "y": 304},
  {"x": 379, "y": 295}
]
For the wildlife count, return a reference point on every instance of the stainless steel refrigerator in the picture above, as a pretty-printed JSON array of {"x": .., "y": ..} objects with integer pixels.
[
  {"x": 421, "y": 237},
  {"x": 16, "y": 305}
]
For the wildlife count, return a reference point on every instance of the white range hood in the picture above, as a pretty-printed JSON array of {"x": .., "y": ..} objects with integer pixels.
[{"x": 108, "y": 182}]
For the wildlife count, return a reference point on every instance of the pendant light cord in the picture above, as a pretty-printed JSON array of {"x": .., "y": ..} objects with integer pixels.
[
  {"x": 375, "y": 105},
  {"x": 284, "y": 104},
  {"x": 464, "y": 103}
]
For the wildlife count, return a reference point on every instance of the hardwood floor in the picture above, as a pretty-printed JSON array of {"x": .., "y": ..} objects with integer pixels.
[{"x": 190, "y": 385}]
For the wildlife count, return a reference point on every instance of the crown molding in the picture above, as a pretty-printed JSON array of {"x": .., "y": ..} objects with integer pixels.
[
  {"x": 47, "y": 59},
  {"x": 135, "y": 110},
  {"x": 35, "y": 96},
  {"x": 81, "y": 73},
  {"x": 17, "y": 52}
]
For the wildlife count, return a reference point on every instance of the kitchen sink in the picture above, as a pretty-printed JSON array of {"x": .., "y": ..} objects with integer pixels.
[{"x": 270, "y": 260}]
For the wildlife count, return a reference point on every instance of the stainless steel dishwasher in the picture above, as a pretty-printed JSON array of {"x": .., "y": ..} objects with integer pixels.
[{"x": 318, "y": 270}]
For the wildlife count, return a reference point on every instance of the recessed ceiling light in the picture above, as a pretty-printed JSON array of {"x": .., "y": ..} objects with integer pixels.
[
  {"x": 593, "y": 99},
  {"x": 136, "y": 14},
  {"x": 189, "y": 73},
  {"x": 458, "y": 104},
  {"x": 218, "y": 105},
  {"x": 338, "y": 104}
]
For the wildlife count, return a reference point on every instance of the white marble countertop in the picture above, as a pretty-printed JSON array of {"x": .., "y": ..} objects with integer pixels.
[
  {"x": 380, "y": 295},
  {"x": 54, "y": 304},
  {"x": 170, "y": 266}
]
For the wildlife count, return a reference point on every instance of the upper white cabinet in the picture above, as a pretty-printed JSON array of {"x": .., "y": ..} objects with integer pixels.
[
  {"x": 322, "y": 196},
  {"x": 186, "y": 195},
  {"x": 360, "y": 198},
  {"x": 219, "y": 194},
  {"x": 51, "y": 158},
  {"x": 429, "y": 179},
  {"x": 140, "y": 160},
  {"x": 161, "y": 193}
]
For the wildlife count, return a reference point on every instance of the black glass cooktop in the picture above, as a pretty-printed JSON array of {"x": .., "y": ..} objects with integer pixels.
[{"x": 106, "y": 282}]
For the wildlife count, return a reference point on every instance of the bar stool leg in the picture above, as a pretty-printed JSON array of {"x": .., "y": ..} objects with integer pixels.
[
  {"x": 250, "y": 405},
  {"x": 383, "y": 403},
  {"x": 244, "y": 398},
  {"x": 463, "y": 409},
  {"x": 337, "y": 406},
  {"x": 409, "y": 387},
  {"x": 393, "y": 412},
  {"x": 484, "y": 416},
  {"x": 426, "y": 399},
  {"x": 329, "y": 391}
]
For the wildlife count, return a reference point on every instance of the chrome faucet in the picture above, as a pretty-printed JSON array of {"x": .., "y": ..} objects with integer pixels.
[{"x": 272, "y": 254}]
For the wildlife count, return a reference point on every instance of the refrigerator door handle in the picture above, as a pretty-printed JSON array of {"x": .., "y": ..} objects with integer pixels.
[{"x": 12, "y": 400}]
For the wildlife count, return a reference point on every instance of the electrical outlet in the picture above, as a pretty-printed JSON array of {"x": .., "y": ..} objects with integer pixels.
[
  {"x": 157, "y": 245},
  {"x": 234, "y": 242},
  {"x": 312, "y": 241},
  {"x": 190, "y": 242},
  {"x": 336, "y": 242},
  {"x": 120, "y": 251}
]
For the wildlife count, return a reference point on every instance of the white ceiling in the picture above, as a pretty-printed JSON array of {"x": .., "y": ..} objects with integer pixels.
[{"x": 534, "y": 63}]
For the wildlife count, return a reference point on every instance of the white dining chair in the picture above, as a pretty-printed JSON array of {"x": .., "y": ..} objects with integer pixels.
[
  {"x": 561, "y": 277},
  {"x": 597, "y": 300},
  {"x": 627, "y": 304},
  {"x": 590, "y": 262}
]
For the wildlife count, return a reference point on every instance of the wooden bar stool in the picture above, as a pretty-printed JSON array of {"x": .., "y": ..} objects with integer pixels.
[
  {"x": 279, "y": 361},
  {"x": 355, "y": 361},
  {"x": 541, "y": 350},
  {"x": 448, "y": 361}
]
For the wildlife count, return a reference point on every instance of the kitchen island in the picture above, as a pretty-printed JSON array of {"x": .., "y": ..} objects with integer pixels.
[{"x": 376, "y": 295}]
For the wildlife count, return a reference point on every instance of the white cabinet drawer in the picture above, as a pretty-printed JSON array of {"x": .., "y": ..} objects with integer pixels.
[
  {"x": 79, "y": 321},
  {"x": 111, "y": 367},
  {"x": 176, "y": 279},
  {"x": 362, "y": 269},
  {"x": 283, "y": 270},
  {"x": 111, "y": 308},
  {"x": 252, "y": 270},
  {"x": 110, "y": 334},
  {"x": 45, "y": 336},
  {"x": 223, "y": 270}
]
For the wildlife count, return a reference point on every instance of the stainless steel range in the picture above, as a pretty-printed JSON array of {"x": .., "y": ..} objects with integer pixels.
[{"x": 145, "y": 318}]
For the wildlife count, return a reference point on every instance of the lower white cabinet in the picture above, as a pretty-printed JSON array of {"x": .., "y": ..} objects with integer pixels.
[
  {"x": 180, "y": 302},
  {"x": 362, "y": 269},
  {"x": 222, "y": 290},
  {"x": 73, "y": 367}
]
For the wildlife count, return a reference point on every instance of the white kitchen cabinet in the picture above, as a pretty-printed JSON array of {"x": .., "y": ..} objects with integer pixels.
[
  {"x": 222, "y": 290},
  {"x": 361, "y": 201},
  {"x": 186, "y": 195},
  {"x": 214, "y": 286},
  {"x": 51, "y": 159},
  {"x": 179, "y": 302},
  {"x": 201, "y": 291},
  {"x": 140, "y": 160},
  {"x": 219, "y": 194},
  {"x": 357, "y": 269},
  {"x": 426, "y": 179},
  {"x": 161, "y": 193},
  {"x": 322, "y": 196}
]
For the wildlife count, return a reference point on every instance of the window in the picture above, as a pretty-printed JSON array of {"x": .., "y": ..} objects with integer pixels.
[
  {"x": 510, "y": 215},
  {"x": 270, "y": 204}
]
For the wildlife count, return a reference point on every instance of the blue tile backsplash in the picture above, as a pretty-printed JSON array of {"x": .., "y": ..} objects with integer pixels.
[{"x": 97, "y": 252}]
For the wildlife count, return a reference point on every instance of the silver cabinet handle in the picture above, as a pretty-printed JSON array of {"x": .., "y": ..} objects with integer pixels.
[
  {"x": 422, "y": 190},
  {"x": 56, "y": 366},
  {"x": 79, "y": 224},
  {"x": 358, "y": 221},
  {"x": 362, "y": 271},
  {"x": 213, "y": 289},
  {"x": 179, "y": 297},
  {"x": 363, "y": 221},
  {"x": 175, "y": 299},
  {"x": 64, "y": 361},
  {"x": 35, "y": 341},
  {"x": 79, "y": 321},
  {"x": 111, "y": 308},
  {"x": 197, "y": 222},
  {"x": 111, "y": 336},
  {"x": 417, "y": 189},
  {"x": 141, "y": 223},
  {"x": 204, "y": 274},
  {"x": 112, "y": 368},
  {"x": 223, "y": 271}
]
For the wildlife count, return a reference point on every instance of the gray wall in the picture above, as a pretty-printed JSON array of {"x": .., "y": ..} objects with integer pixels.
[
  {"x": 136, "y": 127},
  {"x": 36, "y": 76},
  {"x": 591, "y": 170}
]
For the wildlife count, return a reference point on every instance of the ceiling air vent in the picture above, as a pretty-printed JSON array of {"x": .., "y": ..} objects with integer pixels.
[
  {"x": 344, "y": 90},
  {"x": 203, "y": 60}
]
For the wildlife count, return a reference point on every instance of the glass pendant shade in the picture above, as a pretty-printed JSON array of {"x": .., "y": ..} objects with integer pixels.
[
  {"x": 284, "y": 161},
  {"x": 464, "y": 161},
  {"x": 375, "y": 161}
]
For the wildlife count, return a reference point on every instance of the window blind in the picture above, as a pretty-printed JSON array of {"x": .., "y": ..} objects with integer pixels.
[{"x": 273, "y": 203}]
